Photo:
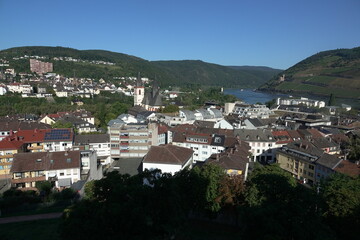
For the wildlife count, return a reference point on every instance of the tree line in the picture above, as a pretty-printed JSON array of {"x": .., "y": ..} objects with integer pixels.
[{"x": 269, "y": 205}]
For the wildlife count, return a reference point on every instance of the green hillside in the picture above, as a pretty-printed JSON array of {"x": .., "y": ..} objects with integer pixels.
[
  {"x": 177, "y": 73},
  {"x": 334, "y": 71}
]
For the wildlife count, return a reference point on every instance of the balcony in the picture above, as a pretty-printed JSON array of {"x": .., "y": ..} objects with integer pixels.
[
  {"x": 28, "y": 179},
  {"x": 124, "y": 150},
  {"x": 7, "y": 156},
  {"x": 35, "y": 147}
]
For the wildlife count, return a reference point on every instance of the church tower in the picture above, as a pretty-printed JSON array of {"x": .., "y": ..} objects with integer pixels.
[{"x": 139, "y": 91}]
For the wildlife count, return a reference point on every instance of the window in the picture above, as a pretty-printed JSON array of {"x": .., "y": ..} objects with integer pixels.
[
  {"x": 311, "y": 167},
  {"x": 64, "y": 144},
  {"x": 217, "y": 140},
  {"x": 205, "y": 153},
  {"x": 61, "y": 173}
]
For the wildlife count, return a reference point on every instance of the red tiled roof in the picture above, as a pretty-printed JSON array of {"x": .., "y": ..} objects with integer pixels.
[
  {"x": 162, "y": 128},
  {"x": 10, "y": 143},
  {"x": 36, "y": 135},
  {"x": 348, "y": 168},
  {"x": 54, "y": 116},
  {"x": 282, "y": 137},
  {"x": 315, "y": 133},
  {"x": 294, "y": 134}
]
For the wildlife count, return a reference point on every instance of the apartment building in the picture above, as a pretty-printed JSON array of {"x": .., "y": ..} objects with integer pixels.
[
  {"x": 306, "y": 162},
  {"x": 97, "y": 142},
  {"x": 132, "y": 140},
  {"x": 203, "y": 145},
  {"x": 40, "y": 67}
]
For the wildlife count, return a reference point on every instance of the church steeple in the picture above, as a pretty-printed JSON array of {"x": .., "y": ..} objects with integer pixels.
[{"x": 139, "y": 91}]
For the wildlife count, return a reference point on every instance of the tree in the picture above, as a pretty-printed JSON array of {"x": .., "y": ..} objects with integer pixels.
[
  {"x": 279, "y": 208},
  {"x": 44, "y": 187},
  {"x": 62, "y": 124},
  {"x": 341, "y": 195},
  {"x": 331, "y": 100},
  {"x": 206, "y": 186},
  {"x": 170, "y": 109},
  {"x": 354, "y": 147}
]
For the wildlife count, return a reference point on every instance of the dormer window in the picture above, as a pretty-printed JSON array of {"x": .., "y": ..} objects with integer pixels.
[{"x": 217, "y": 140}]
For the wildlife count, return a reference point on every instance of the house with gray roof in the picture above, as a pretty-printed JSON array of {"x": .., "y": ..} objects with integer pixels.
[
  {"x": 306, "y": 162},
  {"x": 262, "y": 143},
  {"x": 100, "y": 143}
]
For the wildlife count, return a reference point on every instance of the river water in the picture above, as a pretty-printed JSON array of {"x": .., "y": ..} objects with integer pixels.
[{"x": 250, "y": 96}]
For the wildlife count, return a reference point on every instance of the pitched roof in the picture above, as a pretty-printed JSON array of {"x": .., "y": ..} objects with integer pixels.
[
  {"x": 11, "y": 143},
  {"x": 40, "y": 161},
  {"x": 257, "y": 135},
  {"x": 323, "y": 143},
  {"x": 44, "y": 135},
  {"x": 315, "y": 133},
  {"x": 349, "y": 168},
  {"x": 91, "y": 138},
  {"x": 168, "y": 154},
  {"x": 22, "y": 125},
  {"x": 329, "y": 161},
  {"x": 162, "y": 128},
  {"x": 205, "y": 124},
  {"x": 294, "y": 134},
  {"x": 282, "y": 137}
]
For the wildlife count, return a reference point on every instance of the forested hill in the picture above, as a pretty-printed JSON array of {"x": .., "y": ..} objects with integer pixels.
[
  {"x": 334, "y": 71},
  {"x": 177, "y": 73}
]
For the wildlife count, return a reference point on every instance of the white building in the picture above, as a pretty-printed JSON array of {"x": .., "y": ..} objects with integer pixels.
[
  {"x": 261, "y": 142},
  {"x": 100, "y": 143},
  {"x": 252, "y": 111},
  {"x": 302, "y": 101},
  {"x": 168, "y": 158},
  {"x": 203, "y": 145},
  {"x": 62, "y": 168}
]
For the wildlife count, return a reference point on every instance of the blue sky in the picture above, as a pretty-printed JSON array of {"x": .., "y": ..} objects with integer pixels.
[{"x": 274, "y": 33}]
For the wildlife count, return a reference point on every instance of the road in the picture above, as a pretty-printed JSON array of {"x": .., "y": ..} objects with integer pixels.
[{"x": 30, "y": 217}]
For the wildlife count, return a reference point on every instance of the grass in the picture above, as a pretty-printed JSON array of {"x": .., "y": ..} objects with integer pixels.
[
  {"x": 39, "y": 209},
  {"x": 39, "y": 230},
  {"x": 48, "y": 229}
]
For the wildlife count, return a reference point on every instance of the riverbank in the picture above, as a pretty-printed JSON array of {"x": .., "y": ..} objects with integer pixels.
[{"x": 252, "y": 96}]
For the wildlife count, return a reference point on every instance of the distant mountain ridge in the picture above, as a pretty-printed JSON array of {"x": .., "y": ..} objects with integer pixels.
[
  {"x": 178, "y": 73},
  {"x": 330, "y": 72}
]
